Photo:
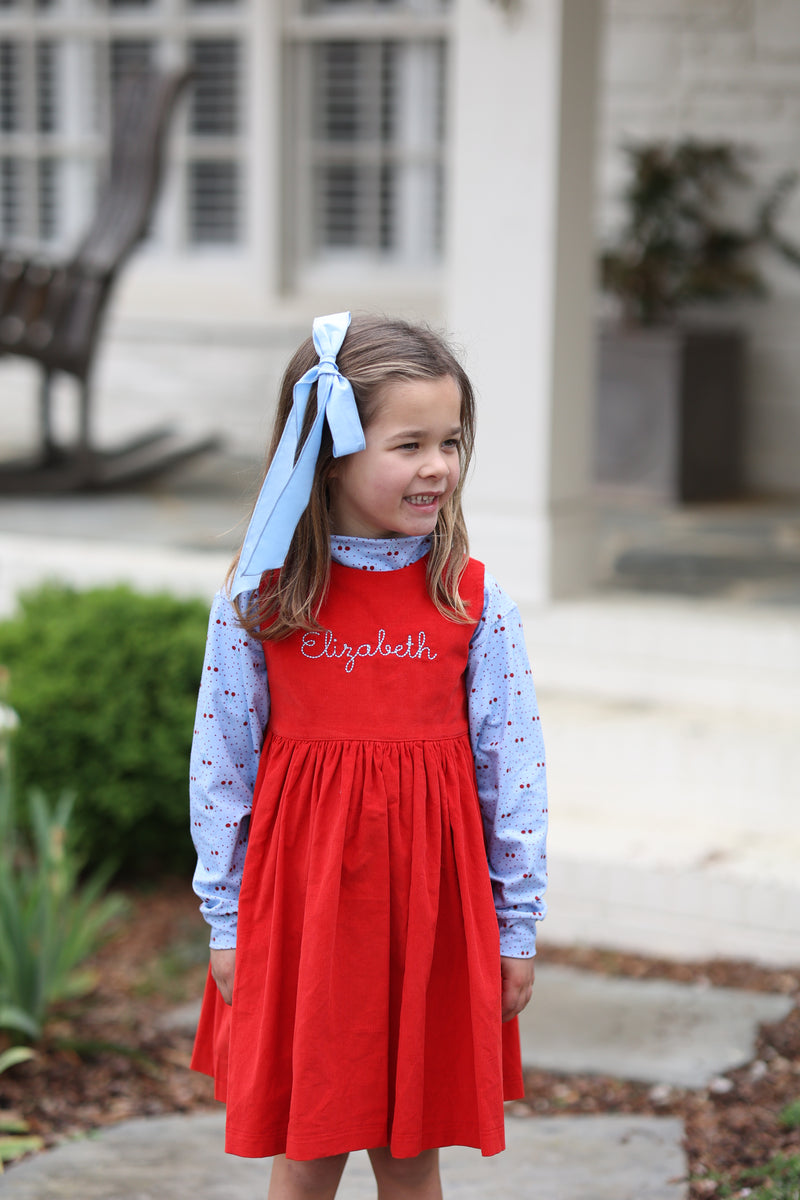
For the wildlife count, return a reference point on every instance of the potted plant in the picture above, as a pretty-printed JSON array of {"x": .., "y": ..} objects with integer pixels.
[{"x": 671, "y": 388}]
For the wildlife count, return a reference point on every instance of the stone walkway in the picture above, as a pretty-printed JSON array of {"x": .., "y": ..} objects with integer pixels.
[
  {"x": 656, "y": 1032},
  {"x": 177, "y": 1158}
]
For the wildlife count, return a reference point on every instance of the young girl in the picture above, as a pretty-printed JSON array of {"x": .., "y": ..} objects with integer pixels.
[{"x": 366, "y": 739}]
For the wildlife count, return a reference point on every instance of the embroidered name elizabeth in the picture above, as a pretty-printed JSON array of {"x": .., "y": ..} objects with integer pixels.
[{"x": 325, "y": 645}]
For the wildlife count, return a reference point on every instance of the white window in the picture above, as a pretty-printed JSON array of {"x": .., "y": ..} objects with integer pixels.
[
  {"x": 61, "y": 62},
  {"x": 363, "y": 113},
  {"x": 366, "y": 128}
]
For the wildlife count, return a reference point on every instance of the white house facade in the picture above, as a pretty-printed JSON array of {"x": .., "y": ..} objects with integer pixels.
[
  {"x": 312, "y": 145},
  {"x": 435, "y": 157}
]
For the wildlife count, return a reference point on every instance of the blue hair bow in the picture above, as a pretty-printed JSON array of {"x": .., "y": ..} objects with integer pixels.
[{"x": 286, "y": 490}]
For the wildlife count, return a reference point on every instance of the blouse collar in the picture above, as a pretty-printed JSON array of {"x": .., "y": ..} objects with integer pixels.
[{"x": 379, "y": 554}]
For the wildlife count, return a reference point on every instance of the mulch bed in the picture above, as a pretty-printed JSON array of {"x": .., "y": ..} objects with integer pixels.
[{"x": 106, "y": 1058}]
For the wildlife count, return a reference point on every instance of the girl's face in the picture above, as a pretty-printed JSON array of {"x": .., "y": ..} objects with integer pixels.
[{"x": 410, "y": 467}]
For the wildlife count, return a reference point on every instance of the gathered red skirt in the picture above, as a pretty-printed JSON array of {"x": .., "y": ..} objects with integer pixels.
[{"x": 367, "y": 997}]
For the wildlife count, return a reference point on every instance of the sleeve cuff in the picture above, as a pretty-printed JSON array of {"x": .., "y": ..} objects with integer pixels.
[
  {"x": 223, "y": 933},
  {"x": 517, "y": 938}
]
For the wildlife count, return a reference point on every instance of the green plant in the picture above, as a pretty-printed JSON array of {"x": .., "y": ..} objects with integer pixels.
[
  {"x": 50, "y": 922},
  {"x": 678, "y": 246},
  {"x": 14, "y": 1137},
  {"x": 789, "y": 1117},
  {"x": 778, "y": 1179},
  {"x": 105, "y": 684},
  {"x": 17, "y": 1020},
  {"x": 15, "y": 1140}
]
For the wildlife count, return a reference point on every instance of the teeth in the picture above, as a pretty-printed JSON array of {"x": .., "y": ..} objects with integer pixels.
[{"x": 421, "y": 499}]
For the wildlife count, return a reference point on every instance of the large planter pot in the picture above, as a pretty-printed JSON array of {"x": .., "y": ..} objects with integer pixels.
[{"x": 669, "y": 412}]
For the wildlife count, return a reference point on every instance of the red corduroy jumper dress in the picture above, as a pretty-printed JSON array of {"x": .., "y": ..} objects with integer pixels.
[{"x": 366, "y": 1006}]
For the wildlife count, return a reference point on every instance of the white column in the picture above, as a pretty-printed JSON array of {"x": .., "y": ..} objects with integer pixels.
[
  {"x": 521, "y": 280},
  {"x": 264, "y": 168}
]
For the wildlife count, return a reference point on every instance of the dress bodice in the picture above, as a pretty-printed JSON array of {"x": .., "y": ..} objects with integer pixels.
[{"x": 385, "y": 664}]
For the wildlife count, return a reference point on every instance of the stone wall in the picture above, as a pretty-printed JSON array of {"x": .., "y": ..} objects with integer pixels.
[{"x": 722, "y": 70}]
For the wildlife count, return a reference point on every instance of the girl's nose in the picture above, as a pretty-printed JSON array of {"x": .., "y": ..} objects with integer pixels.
[{"x": 435, "y": 464}]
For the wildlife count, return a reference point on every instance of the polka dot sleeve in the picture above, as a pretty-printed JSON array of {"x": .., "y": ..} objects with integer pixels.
[
  {"x": 232, "y": 711},
  {"x": 506, "y": 737}
]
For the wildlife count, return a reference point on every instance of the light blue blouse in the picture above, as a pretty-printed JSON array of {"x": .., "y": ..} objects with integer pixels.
[{"x": 505, "y": 732}]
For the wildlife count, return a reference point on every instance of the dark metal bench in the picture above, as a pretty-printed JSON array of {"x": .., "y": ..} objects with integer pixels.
[{"x": 53, "y": 313}]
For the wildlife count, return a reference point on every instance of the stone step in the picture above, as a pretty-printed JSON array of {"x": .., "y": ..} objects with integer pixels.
[
  {"x": 646, "y": 1030},
  {"x": 674, "y": 829},
  {"x": 646, "y": 649}
]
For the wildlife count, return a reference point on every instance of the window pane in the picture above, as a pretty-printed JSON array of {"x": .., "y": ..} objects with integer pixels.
[
  {"x": 317, "y": 6},
  {"x": 44, "y": 189},
  {"x": 129, "y": 57},
  {"x": 355, "y": 86},
  {"x": 46, "y": 66},
  {"x": 338, "y": 82},
  {"x": 213, "y": 202},
  {"x": 438, "y": 209},
  {"x": 48, "y": 198},
  {"x": 338, "y": 196},
  {"x": 441, "y": 93},
  {"x": 10, "y": 85},
  {"x": 215, "y": 94},
  {"x": 126, "y": 59},
  {"x": 386, "y": 219},
  {"x": 418, "y": 6},
  {"x": 388, "y": 89},
  {"x": 373, "y": 164},
  {"x": 10, "y": 187}
]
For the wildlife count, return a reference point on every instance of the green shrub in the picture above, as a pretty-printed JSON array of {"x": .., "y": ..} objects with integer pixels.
[
  {"x": 50, "y": 921},
  {"x": 15, "y": 1138},
  {"x": 105, "y": 685}
]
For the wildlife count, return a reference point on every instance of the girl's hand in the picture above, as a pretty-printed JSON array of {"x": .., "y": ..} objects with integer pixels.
[
  {"x": 517, "y": 975},
  {"x": 222, "y": 965}
]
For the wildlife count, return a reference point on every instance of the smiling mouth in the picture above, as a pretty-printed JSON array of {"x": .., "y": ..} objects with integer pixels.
[{"x": 424, "y": 501}]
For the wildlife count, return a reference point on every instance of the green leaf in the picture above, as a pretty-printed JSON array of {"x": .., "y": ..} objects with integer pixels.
[
  {"x": 14, "y": 1056},
  {"x": 50, "y": 920},
  {"x": 22, "y": 1022},
  {"x": 12, "y": 1124},
  {"x": 15, "y": 1147}
]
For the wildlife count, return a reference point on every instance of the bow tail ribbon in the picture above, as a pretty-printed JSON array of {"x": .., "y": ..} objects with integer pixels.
[{"x": 286, "y": 490}]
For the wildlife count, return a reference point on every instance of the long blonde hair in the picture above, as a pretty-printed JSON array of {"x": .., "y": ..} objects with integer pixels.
[{"x": 375, "y": 351}]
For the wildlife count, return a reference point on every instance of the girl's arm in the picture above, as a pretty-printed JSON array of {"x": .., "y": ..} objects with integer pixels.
[
  {"x": 232, "y": 712},
  {"x": 507, "y": 744}
]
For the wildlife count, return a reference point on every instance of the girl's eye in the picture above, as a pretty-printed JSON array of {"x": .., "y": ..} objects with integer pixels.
[
  {"x": 451, "y": 443},
  {"x": 409, "y": 446}
]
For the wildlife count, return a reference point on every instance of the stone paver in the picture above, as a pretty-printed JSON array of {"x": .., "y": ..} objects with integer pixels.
[
  {"x": 651, "y": 1031},
  {"x": 172, "y": 1158}
]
